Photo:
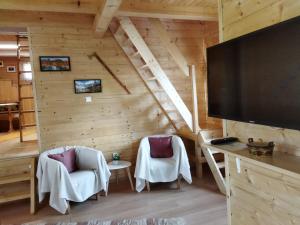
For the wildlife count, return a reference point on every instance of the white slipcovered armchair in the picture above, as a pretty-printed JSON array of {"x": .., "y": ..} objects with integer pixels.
[
  {"x": 90, "y": 178},
  {"x": 161, "y": 169}
]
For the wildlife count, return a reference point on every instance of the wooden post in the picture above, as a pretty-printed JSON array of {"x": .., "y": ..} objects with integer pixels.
[
  {"x": 196, "y": 129},
  {"x": 195, "y": 99},
  {"x": 32, "y": 186}
]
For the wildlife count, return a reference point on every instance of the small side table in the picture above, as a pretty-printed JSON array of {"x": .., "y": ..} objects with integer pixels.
[{"x": 120, "y": 165}]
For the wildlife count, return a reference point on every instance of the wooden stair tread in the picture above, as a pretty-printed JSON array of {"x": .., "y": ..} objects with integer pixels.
[
  {"x": 213, "y": 151},
  {"x": 135, "y": 54},
  {"x": 6, "y": 112},
  {"x": 8, "y": 197},
  {"x": 30, "y": 97},
  {"x": 27, "y": 84},
  {"x": 14, "y": 178},
  {"x": 144, "y": 67},
  {"x": 221, "y": 165},
  {"x": 27, "y": 111},
  {"x": 159, "y": 90},
  {"x": 29, "y": 125},
  {"x": 151, "y": 79}
]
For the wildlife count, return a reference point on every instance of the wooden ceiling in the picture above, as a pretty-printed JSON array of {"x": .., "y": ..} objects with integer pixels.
[
  {"x": 177, "y": 9},
  {"x": 104, "y": 10}
]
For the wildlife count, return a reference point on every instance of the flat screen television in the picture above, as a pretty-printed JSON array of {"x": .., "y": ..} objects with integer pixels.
[{"x": 256, "y": 78}]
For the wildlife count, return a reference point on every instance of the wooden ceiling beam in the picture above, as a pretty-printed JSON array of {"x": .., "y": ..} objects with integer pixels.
[
  {"x": 167, "y": 11},
  {"x": 106, "y": 13},
  {"x": 128, "y": 8},
  {"x": 70, "y": 6}
]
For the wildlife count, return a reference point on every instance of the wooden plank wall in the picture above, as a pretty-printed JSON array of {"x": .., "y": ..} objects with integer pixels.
[
  {"x": 241, "y": 17},
  {"x": 260, "y": 195},
  {"x": 114, "y": 121}
]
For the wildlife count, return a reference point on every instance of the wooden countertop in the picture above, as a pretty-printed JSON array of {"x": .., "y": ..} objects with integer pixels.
[{"x": 279, "y": 161}]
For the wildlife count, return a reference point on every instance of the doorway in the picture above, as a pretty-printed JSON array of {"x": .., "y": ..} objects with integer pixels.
[{"x": 17, "y": 102}]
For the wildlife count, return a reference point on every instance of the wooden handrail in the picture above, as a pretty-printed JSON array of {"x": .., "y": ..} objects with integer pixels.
[{"x": 109, "y": 70}]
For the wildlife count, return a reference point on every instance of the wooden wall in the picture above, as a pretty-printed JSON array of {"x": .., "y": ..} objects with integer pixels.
[
  {"x": 241, "y": 17},
  {"x": 8, "y": 81},
  {"x": 114, "y": 121}
]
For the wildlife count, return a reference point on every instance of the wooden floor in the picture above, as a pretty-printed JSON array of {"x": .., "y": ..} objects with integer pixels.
[
  {"x": 29, "y": 133},
  {"x": 11, "y": 147},
  {"x": 199, "y": 204}
]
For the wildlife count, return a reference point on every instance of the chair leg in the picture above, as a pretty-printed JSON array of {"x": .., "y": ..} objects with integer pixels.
[
  {"x": 69, "y": 209},
  {"x": 107, "y": 185},
  {"x": 148, "y": 185},
  {"x": 178, "y": 182}
]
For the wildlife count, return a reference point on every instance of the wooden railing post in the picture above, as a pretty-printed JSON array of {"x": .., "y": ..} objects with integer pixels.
[{"x": 195, "y": 114}]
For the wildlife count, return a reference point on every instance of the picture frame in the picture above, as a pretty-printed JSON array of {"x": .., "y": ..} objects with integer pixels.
[
  {"x": 1, "y": 63},
  {"x": 11, "y": 69},
  {"x": 87, "y": 86},
  {"x": 55, "y": 63}
]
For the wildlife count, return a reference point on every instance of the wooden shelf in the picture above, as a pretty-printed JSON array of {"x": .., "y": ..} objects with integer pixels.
[
  {"x": 27, "y": 84},
  {"x": 14, "y": 196},
  {"x": 6, "y": 112},
  {"x": 28, "y": 125},
  {"x": 27, "y": 111},
  {"x": 31, "y": 97},
  {"x": 14, "y": 178},
  {"x": 20, "y": 184}
]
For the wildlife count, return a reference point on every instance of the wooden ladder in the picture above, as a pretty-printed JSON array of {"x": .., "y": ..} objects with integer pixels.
[
  {"x": 212, "y": 157},
  {"x": 23, "y": 46},
  {"x": 153, "y": 76}
]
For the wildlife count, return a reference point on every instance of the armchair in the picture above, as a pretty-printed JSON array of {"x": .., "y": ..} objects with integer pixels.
[
  {"x": 154, "y": 170},
  {"x": 90, "y": 178}
]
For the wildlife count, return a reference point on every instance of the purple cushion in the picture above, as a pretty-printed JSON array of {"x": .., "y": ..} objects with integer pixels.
[
  {"x": 68, "y": 158},
  {"x": 161, "y": 147}
]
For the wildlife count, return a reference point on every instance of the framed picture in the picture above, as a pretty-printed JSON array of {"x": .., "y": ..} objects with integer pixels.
[
  {"x": 11, "y": 69},
  {"x": 1, "y": 63},
  {"x": 55, "y": 63},
  {"x": 87, "y": 86}
]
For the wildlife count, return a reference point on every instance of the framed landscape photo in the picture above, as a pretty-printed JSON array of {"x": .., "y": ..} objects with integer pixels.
[
  {"x": 11, "y": 69},
  {"x": 55, "y": 63},
  {"x": 87, "y": 86}
]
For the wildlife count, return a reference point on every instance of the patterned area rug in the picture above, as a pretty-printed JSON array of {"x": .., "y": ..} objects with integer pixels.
[{"x": 149, "y": 221}]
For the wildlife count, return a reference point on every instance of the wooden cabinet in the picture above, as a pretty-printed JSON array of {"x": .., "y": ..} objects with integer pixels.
[
  {"x": 17, "y": 180},
  {"x": 260, "y": 189},
  {"x": 261, "y": 195}
]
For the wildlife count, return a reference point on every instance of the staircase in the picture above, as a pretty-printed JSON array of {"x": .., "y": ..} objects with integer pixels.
[
  {"x": 26, "y": 103},
  {"x": 214, "y": 158},
  {"x": 164, "y": 93},
  {"x": 153, "y": 76}
]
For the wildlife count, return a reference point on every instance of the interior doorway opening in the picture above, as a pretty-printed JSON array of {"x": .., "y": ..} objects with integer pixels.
[{"x": 17, "y": 102}]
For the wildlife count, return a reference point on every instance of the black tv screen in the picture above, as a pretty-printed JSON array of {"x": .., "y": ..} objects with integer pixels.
[{"x": 256, "y": 78}]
